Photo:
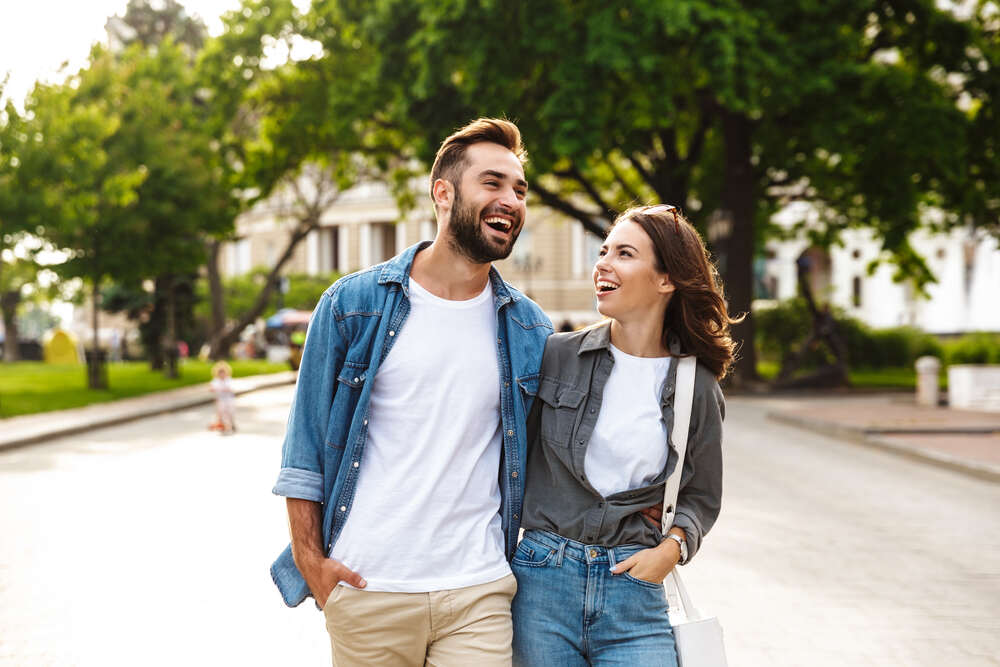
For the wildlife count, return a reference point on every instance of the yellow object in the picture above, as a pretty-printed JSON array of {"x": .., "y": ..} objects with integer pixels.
[{"x": 60, "y": 347}]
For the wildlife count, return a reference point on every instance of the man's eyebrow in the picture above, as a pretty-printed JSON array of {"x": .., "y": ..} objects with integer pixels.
[{"x": 502, "y": 176}]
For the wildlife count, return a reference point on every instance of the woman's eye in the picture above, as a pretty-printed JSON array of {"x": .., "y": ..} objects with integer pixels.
[{"x": 602, "y": 252}]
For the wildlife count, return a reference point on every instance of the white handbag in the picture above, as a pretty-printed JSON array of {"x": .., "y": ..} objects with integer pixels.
[{"x": 698, "y": 638}]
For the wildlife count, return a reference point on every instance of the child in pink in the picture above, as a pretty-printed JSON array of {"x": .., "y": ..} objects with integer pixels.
[{"x": 222, "y": 387}]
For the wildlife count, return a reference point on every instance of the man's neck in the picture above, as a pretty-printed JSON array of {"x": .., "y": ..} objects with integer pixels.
[{"x": 447, "y": 274}]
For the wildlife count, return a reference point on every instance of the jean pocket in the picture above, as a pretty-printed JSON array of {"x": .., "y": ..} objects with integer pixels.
[
  {"x": 532, "y": 555},
  {"x": 643, "y": 582}
]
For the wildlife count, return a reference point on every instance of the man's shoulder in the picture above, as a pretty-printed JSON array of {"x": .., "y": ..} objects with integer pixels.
[
  {"x": 353, "y": 285},
  {"x": 526, "y": 312}
]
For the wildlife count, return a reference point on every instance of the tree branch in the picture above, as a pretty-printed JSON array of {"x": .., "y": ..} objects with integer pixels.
[{"x": 556, "y": 202}]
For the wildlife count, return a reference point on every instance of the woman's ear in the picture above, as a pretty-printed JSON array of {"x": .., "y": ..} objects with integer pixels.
[{"x": 665, "y": 286}]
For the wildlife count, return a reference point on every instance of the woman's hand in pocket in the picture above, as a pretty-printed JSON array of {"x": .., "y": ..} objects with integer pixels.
[{"x": 651, "y": 565}]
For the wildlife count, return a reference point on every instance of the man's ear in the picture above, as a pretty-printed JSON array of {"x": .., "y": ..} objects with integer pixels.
[{"x": 443, "y": 194}]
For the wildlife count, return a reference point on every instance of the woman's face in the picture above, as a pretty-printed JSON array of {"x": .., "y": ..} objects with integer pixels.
[{"x": 625, "y": 276}]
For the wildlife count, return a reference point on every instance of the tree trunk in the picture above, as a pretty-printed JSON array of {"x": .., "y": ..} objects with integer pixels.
[
  {"x": 8, "y": 302},
  {"x": 222, "y": 341},
  {"x": 96, "y": 371},
  {"x": 738, "y": 248},
  {"x": 170, "y": 352},
  {"x": 216, "y": 295}
]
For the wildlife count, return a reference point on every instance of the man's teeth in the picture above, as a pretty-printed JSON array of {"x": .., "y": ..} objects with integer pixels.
[
  {"x": 501, "y": 223},
  {"x": 604, "y": 285}
]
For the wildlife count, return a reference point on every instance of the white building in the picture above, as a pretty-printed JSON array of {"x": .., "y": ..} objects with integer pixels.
[{"x": 966, "y": 264}]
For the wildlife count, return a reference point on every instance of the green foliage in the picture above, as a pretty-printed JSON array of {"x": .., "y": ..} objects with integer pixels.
[
  {"x": 241, "y": 292},
  {"x": 975, "y": 348}
]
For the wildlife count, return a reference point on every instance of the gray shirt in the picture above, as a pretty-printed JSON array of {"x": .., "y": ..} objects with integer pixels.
[{"x": 558, "y": 497}]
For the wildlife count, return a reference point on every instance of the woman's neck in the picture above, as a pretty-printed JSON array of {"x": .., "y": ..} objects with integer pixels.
[{"x": 639, "y": 339}]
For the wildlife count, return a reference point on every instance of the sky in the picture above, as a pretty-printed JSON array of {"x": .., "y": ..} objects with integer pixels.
[{"x": 37, "y": 36}]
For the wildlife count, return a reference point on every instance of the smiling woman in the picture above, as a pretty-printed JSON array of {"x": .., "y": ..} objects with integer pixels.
[{"x": 600, "y": 452}]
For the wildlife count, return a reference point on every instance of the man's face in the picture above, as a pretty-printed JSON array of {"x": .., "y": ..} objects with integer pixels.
[{"x": 488, "y": 210}]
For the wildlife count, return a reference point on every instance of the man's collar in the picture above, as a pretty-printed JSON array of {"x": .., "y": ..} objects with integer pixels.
[{"x": 397, "y": 270}]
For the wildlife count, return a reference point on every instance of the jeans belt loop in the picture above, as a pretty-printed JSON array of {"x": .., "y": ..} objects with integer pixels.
[{"x": 559, "y": 553}]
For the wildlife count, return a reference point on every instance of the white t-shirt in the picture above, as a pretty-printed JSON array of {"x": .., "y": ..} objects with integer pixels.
[
  {"x": 425, "y": 514},
  {"x": 628, "y": 447}
]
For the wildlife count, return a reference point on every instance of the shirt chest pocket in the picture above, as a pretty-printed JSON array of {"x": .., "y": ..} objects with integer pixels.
[{"x": 561, "y": 405}]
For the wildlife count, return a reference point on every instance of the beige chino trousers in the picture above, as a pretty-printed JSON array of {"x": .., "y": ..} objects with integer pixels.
[{"x": 451, "y": 628}]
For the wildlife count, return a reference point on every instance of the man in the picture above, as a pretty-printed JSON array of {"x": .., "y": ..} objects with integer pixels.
[{"x": 403, "y": 462}]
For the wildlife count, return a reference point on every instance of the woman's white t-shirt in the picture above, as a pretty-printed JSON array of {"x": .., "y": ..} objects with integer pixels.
[{"x": 628, "y": 447}]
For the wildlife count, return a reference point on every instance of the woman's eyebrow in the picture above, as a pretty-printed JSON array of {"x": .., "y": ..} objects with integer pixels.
[{"x": 620, "y": 246}]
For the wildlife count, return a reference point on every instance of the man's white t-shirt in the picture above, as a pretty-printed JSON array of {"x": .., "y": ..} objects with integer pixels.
[
  {"x": 628, "y": 447},
  {"x": 425, "y": 514}
]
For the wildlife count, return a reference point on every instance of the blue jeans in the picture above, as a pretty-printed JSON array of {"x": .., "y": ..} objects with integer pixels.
[{"x": 570, "y": 610}]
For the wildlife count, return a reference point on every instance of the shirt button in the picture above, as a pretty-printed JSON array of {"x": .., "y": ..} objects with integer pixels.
[
  {"x": 355, "y": 379},
  {"x": 392, "y": 333},
  {"x": 356, "y": 464},
  {"x": 506, "y": 384},
  {"x": 366, "y": 422},
  {"x": 510, "y": 432},
  {"x": 514, "y": 474},
  {"x": 515, "y": 516},
  {"x": 592, "y": 411},
  {"x": 579, "y": 442},
  {"x": 343, "y": 508}
]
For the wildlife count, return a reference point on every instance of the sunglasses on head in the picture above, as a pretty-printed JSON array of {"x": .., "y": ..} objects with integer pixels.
[{"x": 665, "y": 208}]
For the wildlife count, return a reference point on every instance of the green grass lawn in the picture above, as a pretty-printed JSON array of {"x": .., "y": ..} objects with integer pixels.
[
  {"x": 28, "y": 387},
  {"x": 881, "y": 378}
]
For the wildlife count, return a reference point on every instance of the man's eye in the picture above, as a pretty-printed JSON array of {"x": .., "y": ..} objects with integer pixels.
[{"x": 493, "y": 183}]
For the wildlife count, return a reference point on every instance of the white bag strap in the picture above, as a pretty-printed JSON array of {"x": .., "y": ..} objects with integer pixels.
[
  {"x": 683, "y": 398},
  {"x": 681, "y": 609}
]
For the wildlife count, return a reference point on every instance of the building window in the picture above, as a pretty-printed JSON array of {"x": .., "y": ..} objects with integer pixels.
[{"x": 856, "y": 291}]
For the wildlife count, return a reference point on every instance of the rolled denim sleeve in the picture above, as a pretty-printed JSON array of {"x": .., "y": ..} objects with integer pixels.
[
  {"x": 700, "y": 497},
  {"x": 302, "y": 458}
]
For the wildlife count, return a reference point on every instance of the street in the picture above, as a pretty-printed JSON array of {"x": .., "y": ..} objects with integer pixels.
[{"x": 149, "y": 543}]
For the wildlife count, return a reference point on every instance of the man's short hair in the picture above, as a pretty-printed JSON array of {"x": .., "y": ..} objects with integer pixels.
[{"x": 450, "y": 159}]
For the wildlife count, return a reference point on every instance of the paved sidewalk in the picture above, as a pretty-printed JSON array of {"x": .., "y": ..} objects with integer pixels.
[
  {"x": 964, "y": 440},
  {"x": 30, "y": 429}
]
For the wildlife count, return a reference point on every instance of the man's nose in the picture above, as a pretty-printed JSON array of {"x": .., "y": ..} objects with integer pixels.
[{"x": 508, "y": 200}]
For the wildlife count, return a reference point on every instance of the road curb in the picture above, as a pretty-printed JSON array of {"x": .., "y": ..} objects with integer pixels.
[
  {"x": 142, "y": 409},
  {"x": 876, "y": 439}
]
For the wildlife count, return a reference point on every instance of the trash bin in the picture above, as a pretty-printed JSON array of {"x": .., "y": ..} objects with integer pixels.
[{"x": 928, "y": 369}]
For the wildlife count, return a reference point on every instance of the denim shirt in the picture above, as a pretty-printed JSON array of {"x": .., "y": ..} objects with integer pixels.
[
  {"x": 559, "y": 499},
  {"x": 351, "y": 331}
]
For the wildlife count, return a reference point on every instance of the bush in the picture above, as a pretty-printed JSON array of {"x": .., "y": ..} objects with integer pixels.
[
  {"x": 784, "y": 327},
  {"x": 975, "y": 348}
]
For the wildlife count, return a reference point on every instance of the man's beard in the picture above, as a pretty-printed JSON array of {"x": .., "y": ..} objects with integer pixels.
[{"x": 468, "y": 238}]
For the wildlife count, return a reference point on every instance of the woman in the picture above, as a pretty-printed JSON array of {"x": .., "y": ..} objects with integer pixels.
[{"x": 590, "y": 567}]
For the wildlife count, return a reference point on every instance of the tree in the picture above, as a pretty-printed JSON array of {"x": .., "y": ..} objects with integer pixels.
[
  {"x": 150, "y": 24},
  {"x": 285, "y": 139},
  {"x": 729, "y": 109},
  {"x": 87, "y": 190}
]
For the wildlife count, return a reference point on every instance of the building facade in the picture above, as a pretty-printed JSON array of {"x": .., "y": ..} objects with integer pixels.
[{"x": 551, "y": 262}]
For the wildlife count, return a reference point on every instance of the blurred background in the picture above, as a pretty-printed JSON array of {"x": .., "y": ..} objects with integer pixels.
[{"x": 179, "y": 182}]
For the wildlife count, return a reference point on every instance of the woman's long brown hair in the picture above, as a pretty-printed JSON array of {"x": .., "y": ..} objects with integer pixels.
[{"x": 697, "y": 312}]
